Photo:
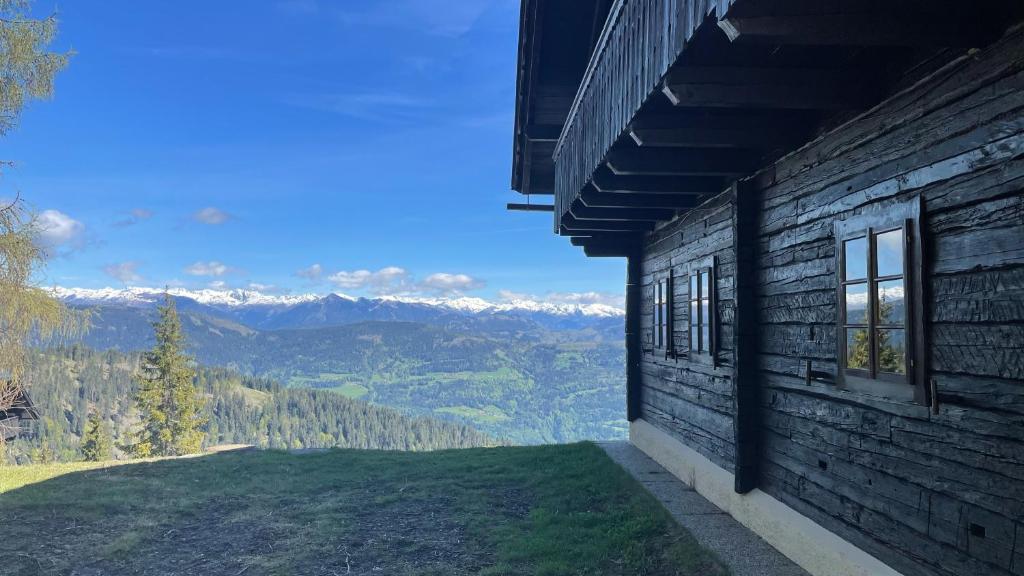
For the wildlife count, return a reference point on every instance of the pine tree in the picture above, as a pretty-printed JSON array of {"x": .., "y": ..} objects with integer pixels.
[
  {"x": 169, "y": 403},
  {"x": 97, "y": 440}
]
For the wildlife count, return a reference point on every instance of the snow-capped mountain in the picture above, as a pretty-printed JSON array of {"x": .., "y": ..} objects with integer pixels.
[{"x": 268, "y": 312}]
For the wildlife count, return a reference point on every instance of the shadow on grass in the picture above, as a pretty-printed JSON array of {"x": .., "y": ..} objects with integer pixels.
[{"x": 563, "y": 509}]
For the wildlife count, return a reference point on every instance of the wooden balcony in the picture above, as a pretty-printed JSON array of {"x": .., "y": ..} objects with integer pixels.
[
  {"x": 681, "y": 98},
  {"x": 640, "y": 41}
]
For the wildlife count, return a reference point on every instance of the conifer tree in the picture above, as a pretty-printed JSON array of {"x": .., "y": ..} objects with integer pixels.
[
  {"x": 96, "y": 439},
  {"x": 170, "y": 405},
  {"x": 27, "y": 70}
]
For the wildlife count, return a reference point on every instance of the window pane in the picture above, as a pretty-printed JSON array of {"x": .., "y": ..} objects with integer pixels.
[
  {"x": 857, "y": 303},
  {"x": 855, "y": 253},
  {"x": 705, "y": 335},
  {"x": 704, "y": 279},
  {"x": 693, "y": 287},
  {"x": 892, "y": 352},
  {"x": 694, "y": 341},
  {"x": 694, "y": 318},
  {"x": 889, "y": 253},
  {"x": 705, "y": 315},
  {"x": 858, "y": 348},
  {"x": 664, "y": 335},
  {"x": 890, "y": 302}
]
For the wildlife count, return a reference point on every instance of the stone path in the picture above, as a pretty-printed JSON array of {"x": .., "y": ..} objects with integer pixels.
[{"x": 744, "y": 552}]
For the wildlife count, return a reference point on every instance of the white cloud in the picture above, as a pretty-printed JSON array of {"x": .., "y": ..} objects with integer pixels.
[
  {"x": 258, "y": 287},
  {"x": 123, "y": 271},
  {"x": 134, "y": 216},
  {"x": 211, "y": 268},
  {"x": 582, "y": 298},
  {"x": 57, "y": 229},
  {"x": 447, "y": 284},
  {"x": 313, "y": 273},
  {"x": 389, "y": 280},
  {"x": 218, "y": 284},
  {"x": 211, "y": 215}
]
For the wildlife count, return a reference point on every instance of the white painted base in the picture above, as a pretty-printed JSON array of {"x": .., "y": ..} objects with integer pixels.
[{"x": 808, "y": 544}]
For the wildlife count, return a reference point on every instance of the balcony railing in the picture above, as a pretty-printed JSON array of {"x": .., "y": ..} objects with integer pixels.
[{"x": 640, "y": 42}]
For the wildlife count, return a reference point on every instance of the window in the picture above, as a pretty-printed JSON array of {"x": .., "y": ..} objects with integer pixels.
[
  {"x": 876, "y": 329},
  {"x": 663, "y": 313},
  {"x": 701, "y": 312}
]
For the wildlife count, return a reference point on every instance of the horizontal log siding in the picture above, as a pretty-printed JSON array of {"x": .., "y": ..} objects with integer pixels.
[
  {"x": 692, "y": 400},
  {"x": 641, "y": 40},
  {"x": 896, "y": 480}
]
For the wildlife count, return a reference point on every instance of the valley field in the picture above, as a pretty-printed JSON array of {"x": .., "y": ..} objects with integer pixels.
[{"x": 560, "y": 509}]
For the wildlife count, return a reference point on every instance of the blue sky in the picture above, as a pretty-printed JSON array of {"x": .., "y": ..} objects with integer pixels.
[{"x": 295, "y": 146}]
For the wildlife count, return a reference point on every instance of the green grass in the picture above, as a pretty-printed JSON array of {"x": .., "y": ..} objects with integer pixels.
[
  {"x": 544, "y": 510},
  {"x": 487, "y": 414}
]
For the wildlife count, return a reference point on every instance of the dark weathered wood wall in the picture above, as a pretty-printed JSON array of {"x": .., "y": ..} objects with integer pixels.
[
  {"x": 691, "y": 398},
  {"x": 927, "y": 493}
]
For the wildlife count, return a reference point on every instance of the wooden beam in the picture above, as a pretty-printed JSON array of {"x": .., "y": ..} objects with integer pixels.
[
  {"x": 745, "y": 337},
  {"x": 584, "y": 212},
  {"x": 767, "y": 88},
  {"x": 637, "y": 200},
  {"x": 680, "y": 162},
  {"x": 946, "y": 26},
  {"x": 530, "y": 207},
  {"x": 607, "y": 251},
  {"x": 571, "y": 224},
  {"x": 604, "y": 180},
  {"x": 717, "y": 131},
  {"x": 631, "y": 238}
]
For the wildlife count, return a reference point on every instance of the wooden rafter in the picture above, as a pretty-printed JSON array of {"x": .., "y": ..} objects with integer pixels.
[
  {"x": 766, "y": 88},
  {"x": 680, "y": 162},
  {"x": 604, "y": 180}
]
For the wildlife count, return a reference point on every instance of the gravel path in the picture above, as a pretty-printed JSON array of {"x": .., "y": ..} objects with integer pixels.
[{"x": 744, "y": 552}]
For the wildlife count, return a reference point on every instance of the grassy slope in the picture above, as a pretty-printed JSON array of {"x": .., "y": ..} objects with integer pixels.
[{"x": 564, "y": 509}]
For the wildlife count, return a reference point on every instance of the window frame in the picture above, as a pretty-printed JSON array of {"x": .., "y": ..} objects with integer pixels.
[
  {"x": 704, "y": 351},
  {"x": 909, "y": 386},
  {"x": 663, "y": 315}
]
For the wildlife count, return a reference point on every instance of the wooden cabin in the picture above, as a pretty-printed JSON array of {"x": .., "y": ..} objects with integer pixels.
[
  {"x": 14, "y": 419},
  {"x": 821, "y": 208}
]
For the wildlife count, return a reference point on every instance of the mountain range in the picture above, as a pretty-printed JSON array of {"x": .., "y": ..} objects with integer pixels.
[
  {"x": 520, "y": 371},
  {"x": 272, "y": 312}
]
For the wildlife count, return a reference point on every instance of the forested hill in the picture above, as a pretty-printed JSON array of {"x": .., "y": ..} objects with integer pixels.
[
  {"x": 68, "y": 384},
  {"x": 506, "y": 375}
]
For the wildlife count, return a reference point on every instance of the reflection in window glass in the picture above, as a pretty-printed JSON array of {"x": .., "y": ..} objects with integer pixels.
[
  {"x": 705, "y": 337},
  {"x": 694, "y": 318},
  {"x": 890, "y": 308},
  {"x": 855, "y": 254},
  {"x": 704, "y": 312},
  {"x": 889, "y": 253},
  {"x": 857, "y": 303},
  {"x": 858, "y": 348},
  {"x": 892, "y": 353},
  {"x": 704, "y": 285},
  {"x": 693, "y": 287},
  {"x": 694, "y": 338}
]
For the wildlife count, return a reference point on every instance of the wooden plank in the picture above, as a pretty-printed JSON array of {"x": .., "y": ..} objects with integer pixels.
[
  {"x": 966, "y": 27},
  {"x": 604, "y": 180},
  {"x": 718, "y": 131},
  {"x": 768, "y": 88},
  {"x": 530, "y": 207},
  {"x": 635, "y": 200},
  {"x": 583, "y": 212},
  {"x": 681, "y": 162},
  {"x": 572, "y": 224}
]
